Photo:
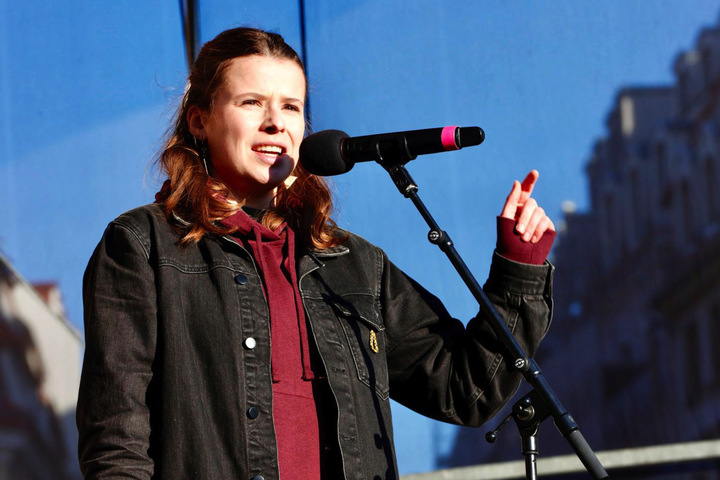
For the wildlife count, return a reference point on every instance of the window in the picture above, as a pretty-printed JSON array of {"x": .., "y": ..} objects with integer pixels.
[
  {"x": 692, "y": 364},
  {"x": 687, "y": 211},
  {"x": 714, "y": 343},
  {"x": 661, "y": 163},
  {"x": 640, "y": 214},
  {"x": 684, "y": 93},
  {"x": 707, "y": 67},
  {"x": 711, "y": 188}
]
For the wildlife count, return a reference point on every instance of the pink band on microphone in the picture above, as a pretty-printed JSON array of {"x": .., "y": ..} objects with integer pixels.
[{"x": 447, "y": 136}]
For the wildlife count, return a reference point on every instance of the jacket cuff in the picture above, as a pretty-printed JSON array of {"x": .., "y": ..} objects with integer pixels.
[{"x": 516, "y": 277}]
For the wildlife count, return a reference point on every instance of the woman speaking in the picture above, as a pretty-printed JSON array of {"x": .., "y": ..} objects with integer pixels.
[{"x": 233, "y": 331}]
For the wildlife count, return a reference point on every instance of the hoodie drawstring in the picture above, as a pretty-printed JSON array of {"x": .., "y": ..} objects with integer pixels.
[{"x": 302, "y": 323}]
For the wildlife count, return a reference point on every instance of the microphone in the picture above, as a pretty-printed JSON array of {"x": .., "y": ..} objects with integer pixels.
[{"x": 332, "y": 152}]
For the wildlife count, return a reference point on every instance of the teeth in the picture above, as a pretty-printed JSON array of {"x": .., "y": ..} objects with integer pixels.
[{"x": 274, "y": 149}]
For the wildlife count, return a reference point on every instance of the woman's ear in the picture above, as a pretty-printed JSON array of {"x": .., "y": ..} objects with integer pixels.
[{"x": 196, "y": 123}]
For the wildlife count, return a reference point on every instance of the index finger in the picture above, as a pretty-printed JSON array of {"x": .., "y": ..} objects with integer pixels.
[{"x": 529, "y": 183}]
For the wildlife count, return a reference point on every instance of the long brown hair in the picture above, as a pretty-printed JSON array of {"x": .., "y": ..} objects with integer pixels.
[{"x": 198, "y": 197}]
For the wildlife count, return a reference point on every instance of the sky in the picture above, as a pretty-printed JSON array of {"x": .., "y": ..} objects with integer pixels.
[{"x": 86, "y": 95}]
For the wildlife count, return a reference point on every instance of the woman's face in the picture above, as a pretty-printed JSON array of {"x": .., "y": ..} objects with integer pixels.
[{"x": 255, "y": 127}]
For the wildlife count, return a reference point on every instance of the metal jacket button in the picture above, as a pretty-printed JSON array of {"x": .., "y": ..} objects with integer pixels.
[
  {"x": 250, "y": 343},
  {"x": 253, "y": 413},
  {"x": 241, "y": 279}
]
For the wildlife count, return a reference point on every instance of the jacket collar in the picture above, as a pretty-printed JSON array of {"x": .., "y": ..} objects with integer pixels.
[
  {"x": 309, "y": 259},
  {"x": 335, "y": 251},
  {"x": 180, "y": 220}
]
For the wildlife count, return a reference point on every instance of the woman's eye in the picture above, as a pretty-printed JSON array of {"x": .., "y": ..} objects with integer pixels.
[
  {"x": 251, "y": 102},
  {"x": 292, "y": 107}
]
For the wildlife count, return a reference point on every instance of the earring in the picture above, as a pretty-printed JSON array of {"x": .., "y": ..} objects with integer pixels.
[{"x": 202, "y": 153}]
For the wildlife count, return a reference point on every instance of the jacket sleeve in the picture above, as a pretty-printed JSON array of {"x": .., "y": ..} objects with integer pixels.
[
  {"x": 120, "y": 333},
  {"x": 450, "y": 372}
]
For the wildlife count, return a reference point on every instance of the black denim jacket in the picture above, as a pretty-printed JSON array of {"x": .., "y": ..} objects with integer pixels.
[{"x": 176, "y": 382}]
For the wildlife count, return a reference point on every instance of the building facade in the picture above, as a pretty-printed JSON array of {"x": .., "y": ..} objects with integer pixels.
[
  {"x": 40, "y": 355},
  {"x": 634, "y": 351}
]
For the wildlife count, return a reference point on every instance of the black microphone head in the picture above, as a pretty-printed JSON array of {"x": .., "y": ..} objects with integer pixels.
[
  {"x": 469, "y": 136},
  {"x": 321, "y": 153}
]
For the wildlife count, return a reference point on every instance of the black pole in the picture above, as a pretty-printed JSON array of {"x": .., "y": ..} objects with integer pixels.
[
  {"x": 191, "y": 30},
  {"x": 304, "y": 55}
]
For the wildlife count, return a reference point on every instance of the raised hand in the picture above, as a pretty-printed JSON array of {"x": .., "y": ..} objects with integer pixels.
[{"x": 530, "y": 219}]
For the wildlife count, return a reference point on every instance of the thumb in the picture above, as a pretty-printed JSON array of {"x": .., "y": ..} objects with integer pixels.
[{"x": 511, "y": 203}]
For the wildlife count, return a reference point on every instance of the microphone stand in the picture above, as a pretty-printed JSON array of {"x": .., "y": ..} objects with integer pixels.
[{"x": 530, "y": 410}]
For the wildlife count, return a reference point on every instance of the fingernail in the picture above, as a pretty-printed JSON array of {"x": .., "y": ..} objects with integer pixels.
[{"x": 520, "y": 228}]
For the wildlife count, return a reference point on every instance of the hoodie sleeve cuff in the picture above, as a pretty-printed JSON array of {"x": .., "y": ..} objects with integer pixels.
[{"x": 511, "y": 246}]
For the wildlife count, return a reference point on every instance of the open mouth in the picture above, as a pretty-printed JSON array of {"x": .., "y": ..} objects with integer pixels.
[{"x": 273, "y": 150}]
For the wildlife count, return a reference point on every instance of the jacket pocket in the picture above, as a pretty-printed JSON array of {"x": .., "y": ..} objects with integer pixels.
[{"x": 365, "y": 335}]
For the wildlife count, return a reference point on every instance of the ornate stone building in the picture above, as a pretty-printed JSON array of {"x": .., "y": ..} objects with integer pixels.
[{"x": 634, "y": 351}]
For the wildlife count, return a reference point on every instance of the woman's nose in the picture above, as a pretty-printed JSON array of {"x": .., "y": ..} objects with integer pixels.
[{"x": 274, "y": 120}]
